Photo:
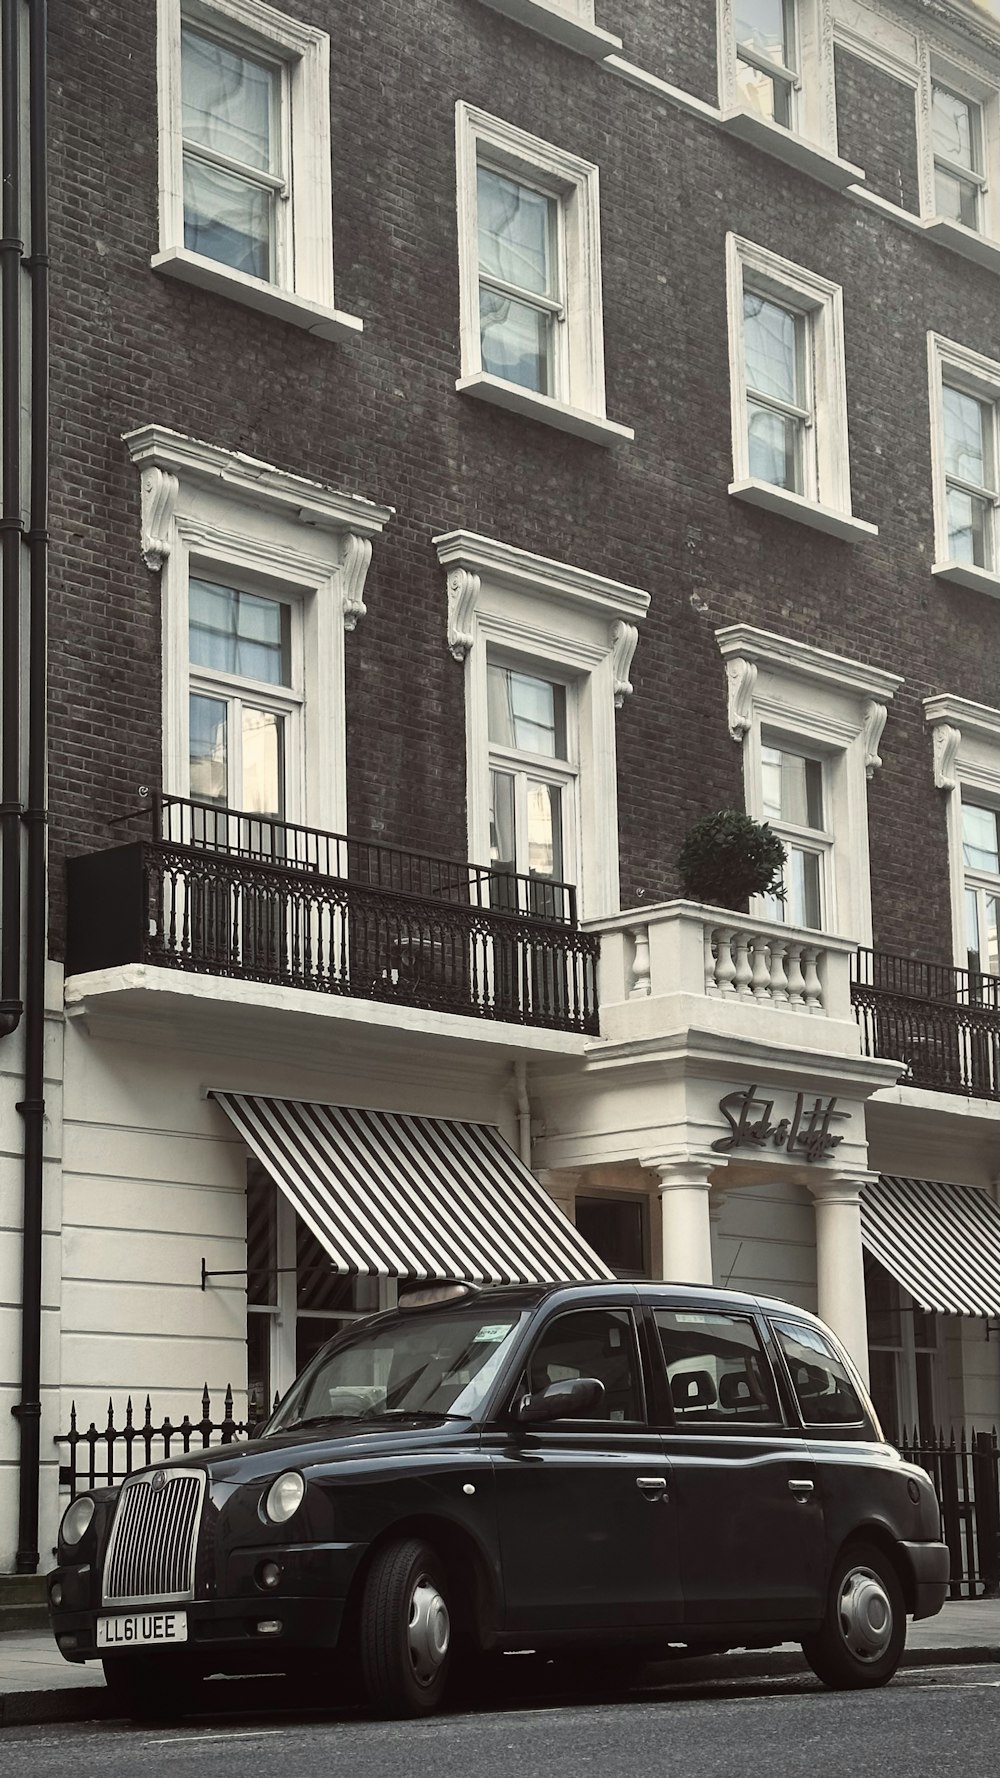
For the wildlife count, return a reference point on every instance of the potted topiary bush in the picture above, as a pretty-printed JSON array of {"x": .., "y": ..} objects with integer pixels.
[{"x": 727, "y": 857}]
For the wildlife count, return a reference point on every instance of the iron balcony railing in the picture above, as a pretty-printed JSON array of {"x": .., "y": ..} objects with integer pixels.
[
  {"x": 221, "y": 892},
  {"x": 942, "y": 1023}
]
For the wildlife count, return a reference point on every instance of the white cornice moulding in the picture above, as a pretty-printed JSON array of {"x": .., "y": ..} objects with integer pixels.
[
  {"x": 176, "y": 458},
  {"x": 979, "y": 248},
  {"x": 951, "y": 720},
  {"x": 552, "y": 21},
  {"x": 483, "y": 558},
  {"x": 746, "y": 645}
]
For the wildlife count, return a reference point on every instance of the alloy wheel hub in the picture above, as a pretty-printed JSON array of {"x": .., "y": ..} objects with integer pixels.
[
  {"x": 865, "y": 1614},
  {"x": 428, "y": 1631}
]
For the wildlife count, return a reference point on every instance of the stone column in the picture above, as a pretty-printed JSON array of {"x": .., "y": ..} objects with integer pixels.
[
  {"x": 716, "y": 1205},
  {"x": 687, "y": 1238},
  {"x": 840, "y": 1262}
]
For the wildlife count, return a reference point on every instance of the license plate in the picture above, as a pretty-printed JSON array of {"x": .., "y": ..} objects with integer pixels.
[{"x": 142, "y": 1627}]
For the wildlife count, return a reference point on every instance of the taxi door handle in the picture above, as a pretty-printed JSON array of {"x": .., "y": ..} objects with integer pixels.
[
  {"x": 653, "y": 1486},
  {"x": 803, "y": 1486}
]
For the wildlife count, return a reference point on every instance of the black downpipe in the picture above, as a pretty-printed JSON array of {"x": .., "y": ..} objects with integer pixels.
[
  {"x": 32, "y": 1107},
  {"x": 11, "y": 523}
]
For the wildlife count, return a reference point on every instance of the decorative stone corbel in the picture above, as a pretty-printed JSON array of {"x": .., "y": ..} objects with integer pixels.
[
  {"x": 947, "y": 741},
  {"x": 623, "y": 640},
  {"x": 353, "y": 574},
  {"x": 463, "y": 591},
  {"x": 158, "y": 494},
  {"x": 742, "y": 677},
  {"x": 872, "y": 723}
]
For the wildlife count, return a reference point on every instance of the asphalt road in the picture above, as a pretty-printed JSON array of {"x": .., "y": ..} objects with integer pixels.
[{"x": 927, "y": 1723}]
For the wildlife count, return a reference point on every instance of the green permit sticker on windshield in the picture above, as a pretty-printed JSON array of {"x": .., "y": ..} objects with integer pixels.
[{"x": 492, "y": 1334}]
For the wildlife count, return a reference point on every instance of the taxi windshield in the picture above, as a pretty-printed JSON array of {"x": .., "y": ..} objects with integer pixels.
[{"x": 414, "y": 1365}]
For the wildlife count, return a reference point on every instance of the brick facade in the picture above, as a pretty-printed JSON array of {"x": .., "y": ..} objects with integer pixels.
[{"x": 380, "y": 417}]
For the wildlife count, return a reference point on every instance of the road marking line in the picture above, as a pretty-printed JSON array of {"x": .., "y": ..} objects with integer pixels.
[{"x": 214, "y": 1735}]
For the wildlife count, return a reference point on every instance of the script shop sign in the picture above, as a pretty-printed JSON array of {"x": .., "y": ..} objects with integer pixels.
[{"x": 804, "y": 1131}]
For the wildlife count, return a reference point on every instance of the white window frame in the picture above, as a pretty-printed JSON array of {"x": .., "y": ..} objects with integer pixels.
[
  {"x": 578, "y": 627},
  {"x": 831, "y": 708},
  {"x": 949, "y": 362},
  {"x": 820, "y": 841},
  {"x": 578, "y": 406},
  {"x": 966, "y": 739},
  {"x": 301, "y": 291},
  {"x": 979, "y": 86},
  {"x": 225, "y": 515},
  {"x": 521, "y": 765},
  {"x": 810, "y": 145},
  {"x": 825, "y": 503},
  {"x": 569, "y": 22},
  {"x": 237, "y": 690}
]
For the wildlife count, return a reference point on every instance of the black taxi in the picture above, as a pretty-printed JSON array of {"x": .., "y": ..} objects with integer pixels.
[{"x": 601, "y": 1470}]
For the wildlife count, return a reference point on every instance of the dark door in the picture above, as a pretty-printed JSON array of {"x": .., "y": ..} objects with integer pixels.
[
  {"x": 745, "y": 1484},
  {"x": 586, "y": 1519}
]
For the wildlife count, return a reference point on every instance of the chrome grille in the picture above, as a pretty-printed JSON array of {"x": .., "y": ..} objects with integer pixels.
[{"x": 151, "y": 1551}]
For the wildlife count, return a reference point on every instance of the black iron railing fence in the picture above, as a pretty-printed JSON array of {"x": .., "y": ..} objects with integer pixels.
[
  {"x": 267, "y": 901},
  {"x": 101, "y": 1456},
  {"x": 966, "y": 1477},
  {"x": 942, "y": 1023}
]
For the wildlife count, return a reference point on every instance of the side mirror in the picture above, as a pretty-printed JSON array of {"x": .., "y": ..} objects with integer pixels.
[{"x": 575, "y": 1398}]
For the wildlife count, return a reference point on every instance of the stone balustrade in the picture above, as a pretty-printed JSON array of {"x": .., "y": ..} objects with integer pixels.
[{"x": 681, "y": 947}]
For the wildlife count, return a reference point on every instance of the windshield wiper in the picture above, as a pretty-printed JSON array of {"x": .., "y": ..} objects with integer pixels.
[
  {"x": 410, "y": 1414},
  {"x": 314, "y": 1420}
]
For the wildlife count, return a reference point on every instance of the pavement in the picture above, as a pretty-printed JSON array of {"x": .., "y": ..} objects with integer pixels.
[{"x": 37, "y": 1685}]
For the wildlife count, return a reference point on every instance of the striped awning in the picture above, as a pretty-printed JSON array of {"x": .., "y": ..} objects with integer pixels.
[
  {"x": 395, "y": 1196},
  {"x": 940, "y": 1242}
]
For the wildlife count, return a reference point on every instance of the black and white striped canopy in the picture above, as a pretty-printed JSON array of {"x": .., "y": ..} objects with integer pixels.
[
  {"x": 412, "y": 1197},
  {"x": 940, "y": 1242}
]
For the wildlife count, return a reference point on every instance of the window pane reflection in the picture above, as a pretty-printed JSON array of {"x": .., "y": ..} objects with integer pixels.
[
  {"x": 526, "y": 713},
  {"x": 980, "y": 838},
  {"x": 263, "y": 762},
  {"x": 227, "y": 219},
  {"x": 544, "y": 829},
  {"x": 241, "y": 633},
  {"x": 209, "y": 751},
  {"x": 228, "y": 100}
]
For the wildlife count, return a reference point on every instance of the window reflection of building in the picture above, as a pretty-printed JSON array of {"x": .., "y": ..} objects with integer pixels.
[
  {"x": 981, "y": 864},
  {"x": 531, "y": 781}
]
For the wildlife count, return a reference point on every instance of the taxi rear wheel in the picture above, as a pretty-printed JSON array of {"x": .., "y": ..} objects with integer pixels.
[
  {"x": 863, "y": 1634},
  {"x": 149, "y": 1688},
  {"x": 406, "y": 1635}
]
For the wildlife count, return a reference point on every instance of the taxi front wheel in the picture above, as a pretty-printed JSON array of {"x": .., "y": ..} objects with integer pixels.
[
  {"x": 863, "y": 1633},
  {"x": 405, "y": 1640}
]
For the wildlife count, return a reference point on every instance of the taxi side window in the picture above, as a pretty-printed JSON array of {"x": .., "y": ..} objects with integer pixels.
[
  {"x": 823, "y": 1388},
  {"x": 717, "y": 1369},
  {"x": 592, "y": 1343}
]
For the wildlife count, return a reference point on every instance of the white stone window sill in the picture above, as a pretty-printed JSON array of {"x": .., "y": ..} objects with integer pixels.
[
  {"x": 542, "y": 407},
  {"x": 978, "y": 580},
  {"x": 807, "y": 512},
  {"x": 552, "y": 21},
  {"x": 966, "y": 241},
  {"x": 795, "y": 151},
  {"x": 299, "y": 311}
]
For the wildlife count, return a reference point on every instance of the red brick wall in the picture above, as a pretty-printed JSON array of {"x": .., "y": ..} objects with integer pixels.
[{"x": 380, "y": 417}]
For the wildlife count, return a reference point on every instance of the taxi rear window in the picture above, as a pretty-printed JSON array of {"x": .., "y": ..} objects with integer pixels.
[{"x": 823, "y": 1386}]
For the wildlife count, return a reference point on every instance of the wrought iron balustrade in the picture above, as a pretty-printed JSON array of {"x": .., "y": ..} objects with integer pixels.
[
  {"x": 224, "y": 893},
  {"x": 943, "y": 1023}
]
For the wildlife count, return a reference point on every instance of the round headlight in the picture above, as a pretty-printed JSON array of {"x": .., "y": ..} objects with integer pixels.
[
  {"x": 76, "y": 1520},
  {"x": 284, "y": 1497}
]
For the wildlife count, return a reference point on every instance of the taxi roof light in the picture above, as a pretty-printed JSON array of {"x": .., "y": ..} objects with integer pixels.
[{"x": 433, "y": 1294}]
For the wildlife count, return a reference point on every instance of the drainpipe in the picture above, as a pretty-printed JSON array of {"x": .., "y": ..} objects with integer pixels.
[
  {"x": 523, "y": 1110},
  {"x": 11, "y": 523},
  {"x": 32, "y": 1107}
]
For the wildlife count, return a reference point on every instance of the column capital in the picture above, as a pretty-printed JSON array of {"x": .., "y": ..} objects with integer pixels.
[
  {"x": 840, "y": 1188},
  {"x": 679, "y": 1172}
]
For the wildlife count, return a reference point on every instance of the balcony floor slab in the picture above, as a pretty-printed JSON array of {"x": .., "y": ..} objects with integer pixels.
[{"x": 252, "y": 1018}]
